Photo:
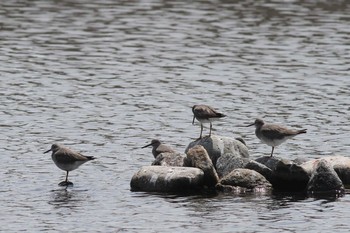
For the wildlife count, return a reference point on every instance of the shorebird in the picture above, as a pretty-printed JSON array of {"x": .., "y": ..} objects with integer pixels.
[
  {"x": 67, "y": 160},
  {"x": 158, "y": 148},
  {"x": 205, "y": 114},
  {"x": 274, "y": 134}
]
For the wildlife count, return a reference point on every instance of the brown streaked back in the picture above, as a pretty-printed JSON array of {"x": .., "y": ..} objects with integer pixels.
[
  {"x": 205, "y": 112},
  {"x": 65, "y": 155},
  {"x": 274, "y": 131}
]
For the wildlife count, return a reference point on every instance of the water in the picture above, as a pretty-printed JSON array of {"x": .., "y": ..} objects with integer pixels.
[{"x": 106, "y": 77}]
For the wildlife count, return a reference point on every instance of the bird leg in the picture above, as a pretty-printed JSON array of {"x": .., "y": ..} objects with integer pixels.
[
  {"x": 272, "y": 151},
  {"x": 210, "y": 129},
  {"x": 67, "y": 177},
  {"x": 66, "y": 182},
  {"x": 201, "y": 131}
]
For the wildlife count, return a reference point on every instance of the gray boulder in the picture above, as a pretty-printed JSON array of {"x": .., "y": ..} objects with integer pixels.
[
  {"x": 245, "y": 178},
  {"x": 171, "y": 159},
  {"x": 260, "y": 168},
  {"x": 299, "y": 160},
  {"x": 286, "y": 175},
  {"x": 198, "y": 157},
  {"x": 167, "y": 179},
  {"x": 216, "y": 146},
  {"x": 340, "y": 164},
  {"x": 324, "y": 178},
  {"x": 228, "y": 162}
]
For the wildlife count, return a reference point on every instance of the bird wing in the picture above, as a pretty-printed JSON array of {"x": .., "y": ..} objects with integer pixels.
[
  {"x": 164, "y": 148},
  {"x": 206, "y": 112},
  {"x": 65, "y": 155},
  {"x": 276, "y": 132}
]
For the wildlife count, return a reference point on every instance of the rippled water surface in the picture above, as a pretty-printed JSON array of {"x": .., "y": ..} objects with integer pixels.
[{"x": 106, "y": 77}]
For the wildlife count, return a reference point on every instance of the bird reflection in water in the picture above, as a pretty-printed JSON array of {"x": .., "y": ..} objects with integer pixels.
[{"x": 67, "y": 198}]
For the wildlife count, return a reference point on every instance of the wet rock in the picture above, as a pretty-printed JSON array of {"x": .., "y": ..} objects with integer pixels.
[
  {"x": 245, "y": 178},
  {"x": 241, "y": 190},
  {"x": 216, "y": 146},
  {"x": 324, "y": 178},
  {"x": 262, "y": 169},
  {"x": 286, "y": 175},
  {"x": 171, "y": 159},
  {"x": 228, "y": 162},
  {"x": 340, "y": 164},
  {"x": 167, "y": 179},
  {"x": 198, "y": 157}
]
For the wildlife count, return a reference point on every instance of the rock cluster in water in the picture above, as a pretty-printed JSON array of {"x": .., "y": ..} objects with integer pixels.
[{"x": 223, "y": 164}]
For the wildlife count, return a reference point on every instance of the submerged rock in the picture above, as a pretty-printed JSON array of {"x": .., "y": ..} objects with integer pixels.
[
  {"x": 171, "y": 159},
  {"x": 167, "y": 179},
  {"x": 324, "y": 178},
  {"x": 245, "y": 178},
  {"x": 216, "y": 146},
  {"x": 198, "y": 157}
]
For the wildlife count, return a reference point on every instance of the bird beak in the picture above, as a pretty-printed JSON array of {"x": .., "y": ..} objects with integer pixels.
[
  {"x": 146, "y": 146},
  {"x": 193, "y": 120},
  {"x": 250, "y": 125},
  {"x": 47, "y": 151}
]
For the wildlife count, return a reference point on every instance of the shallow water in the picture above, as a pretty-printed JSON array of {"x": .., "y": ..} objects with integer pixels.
[{"x": 105, "y": 77}]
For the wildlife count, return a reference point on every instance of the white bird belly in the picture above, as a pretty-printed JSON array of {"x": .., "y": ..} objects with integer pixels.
[
  {"x": 69, "y": 166},
  {"x": 274, "y": 142},
  {"x": 207, "y": 120}
]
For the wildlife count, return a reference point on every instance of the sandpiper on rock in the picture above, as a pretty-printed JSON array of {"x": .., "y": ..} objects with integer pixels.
[
  {"x": 158, "y": 148},
  {"x": 274, "y": 134},
  {"x": 205, "y": 114},
  {"x": 67, "y": 160}
]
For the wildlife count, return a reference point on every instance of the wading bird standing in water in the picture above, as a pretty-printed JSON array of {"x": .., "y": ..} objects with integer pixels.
[{"x": 67, "y": 160}]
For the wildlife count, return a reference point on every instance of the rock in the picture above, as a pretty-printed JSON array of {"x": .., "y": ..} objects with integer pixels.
[
  {"x": 171, "y": 159},
  {"x": 216, "y": 146},
  {"x": 167, "y": 179},
  {"x": 241, "y": 140},
  {"x": 309, "y": 166},
  {"x": 228, "y": 162},
  {"x": 286, "y": 175},
  {"x": 245, "y": 178},
  {"x": 340, "y": 164},
  {"x": 324, "y": 178},
  {"x": 198, "y": 157},
  {"x": 299, "y": 161},
  {"x": 262, "y": 169},
  {"x": 269, "y": 161}
]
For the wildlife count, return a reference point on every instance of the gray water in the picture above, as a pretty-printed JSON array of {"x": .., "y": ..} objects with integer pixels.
[{"x": 106, "y": 77}]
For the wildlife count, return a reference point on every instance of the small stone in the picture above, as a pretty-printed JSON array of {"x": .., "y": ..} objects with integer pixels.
[
  {"x": 245, "y": 178},
  {"x": 262, "y": 169},
  {"x": 65, "y": 183}
]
